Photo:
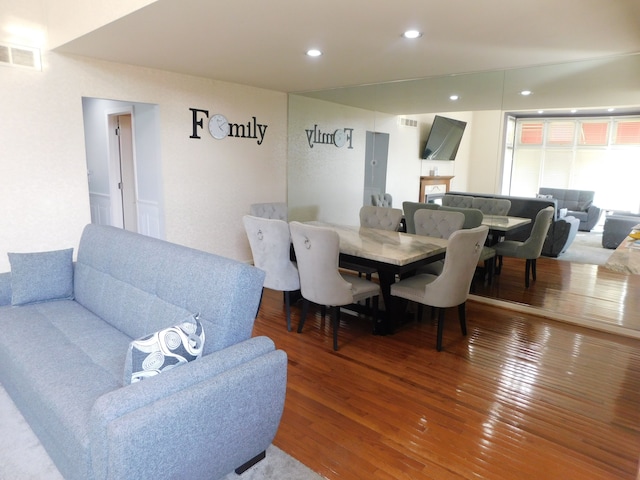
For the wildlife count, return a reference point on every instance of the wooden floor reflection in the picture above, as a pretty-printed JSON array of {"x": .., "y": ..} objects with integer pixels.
[
  {"x": 519, "y": 397},
  {"x": 590, "y": 295}
]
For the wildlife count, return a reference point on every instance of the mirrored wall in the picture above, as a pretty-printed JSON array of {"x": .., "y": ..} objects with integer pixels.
[{"x": 343, "y": 141}]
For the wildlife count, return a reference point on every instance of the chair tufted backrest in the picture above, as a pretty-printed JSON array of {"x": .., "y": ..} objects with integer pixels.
[
  {"x": 492, "y": 206},
  {"x": 472, "y": 216},
  {"x": 276, "y": 210},
  {"x": 410, "y": 208},
  {"x": 437, "y": 223},
  {"x": 382, "y": 218},
  {"x": 532, "y": 246},
  {"x": 381, "y": 200},
  {"x": 270, "y": 243},
  {"x": 461, "y": 201},
  {"x": 317, "y": 253}
]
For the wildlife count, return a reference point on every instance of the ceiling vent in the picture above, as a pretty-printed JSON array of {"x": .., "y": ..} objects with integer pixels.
[
  {"x": 22, "y": 57},
  {"x": 408, "y": 122}
]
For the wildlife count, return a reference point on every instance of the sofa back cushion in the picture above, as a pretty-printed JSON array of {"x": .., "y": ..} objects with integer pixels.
[
  {"x": 141, "y": 285},
  {"x": 573, "y": 200}
]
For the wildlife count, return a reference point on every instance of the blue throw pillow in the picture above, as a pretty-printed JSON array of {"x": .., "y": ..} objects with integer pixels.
[
  {"x": 163, "y": 350},
  {"x": 42, "y": 276}
]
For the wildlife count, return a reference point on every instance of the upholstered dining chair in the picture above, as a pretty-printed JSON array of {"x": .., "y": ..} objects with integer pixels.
[
  {"x": 531, "y": 248},
  {"x": 462, "y": 201},
  {"x": 410, "y": 209},
  {"x": 492, "y": 206},
  {"x": 317, "y": 251},
  {"x": 439, "y": 224},
  {"x": 382, "y": 200},
  {"x": 451, "y": 287},
  {"x": 270, "y": 243},
  {"x": 383, "y": 218},
  {"x": 277, "y": 210}
]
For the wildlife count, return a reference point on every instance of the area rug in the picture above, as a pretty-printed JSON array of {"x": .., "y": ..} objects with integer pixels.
[
  {"x": 587, "y": 248},
  {"x": 22, "y": 456}
]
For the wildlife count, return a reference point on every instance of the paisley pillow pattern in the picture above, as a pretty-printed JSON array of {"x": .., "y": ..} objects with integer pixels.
[{"x": 163, "y": 350}]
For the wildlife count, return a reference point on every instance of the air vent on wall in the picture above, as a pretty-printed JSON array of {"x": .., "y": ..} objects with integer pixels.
[
  {"x": 23, "y": 57},
  {"x": 408, "y": 122}
]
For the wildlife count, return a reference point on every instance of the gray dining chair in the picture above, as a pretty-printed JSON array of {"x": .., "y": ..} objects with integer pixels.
[
  {"x": 492, "y": 206},
  {"x": 382, "y": 200},
  {"x": 383, "y": 218},
  {"x": 531, "y": 248},
  {"x": 462, "y": 201},
  {"x": 410, "y": 208},
  {"x": 276, "y": 210},
  {"x": 451, "y": 287},
  {"x": 270, "y": 243},
  {"x": 317, "y": 251},
  {"x": 439, "y": 224}
]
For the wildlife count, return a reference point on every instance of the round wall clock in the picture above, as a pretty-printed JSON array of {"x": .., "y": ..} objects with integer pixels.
[
  {"x": 339, "y": 138},
  {"x": 218, "y": 126}
]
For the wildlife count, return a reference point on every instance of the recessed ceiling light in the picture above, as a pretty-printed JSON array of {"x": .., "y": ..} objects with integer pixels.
[
  {"x": 454, "y": 97},
  {"x": 610, "y": 109},
  {"x": 540, "y": 111},
  {"x": 526, "y": 92},
  {"x": 412, "y": 34},
  {"x": 314, "y": 52},
  {"x": 574, "y": 110}
]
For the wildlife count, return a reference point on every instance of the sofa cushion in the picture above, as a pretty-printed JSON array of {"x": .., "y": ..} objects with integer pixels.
[
  {"x": 163, "y": 350},
  {"x": 41, "y": 276}
]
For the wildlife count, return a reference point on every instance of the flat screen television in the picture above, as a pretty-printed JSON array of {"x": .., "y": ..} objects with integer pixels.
[{"x": 444, "y": 139}]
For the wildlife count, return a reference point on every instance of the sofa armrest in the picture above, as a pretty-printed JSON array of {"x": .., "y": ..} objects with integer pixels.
[
  {"x": 207, "y": 417},
  {"x": 560, "y": 236},
  {"x": 5, "y": 288},
  {"x": 593, "y": 215}
]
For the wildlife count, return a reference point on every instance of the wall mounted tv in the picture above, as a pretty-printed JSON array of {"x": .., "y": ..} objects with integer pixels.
[{"x": 444, "y": 139}]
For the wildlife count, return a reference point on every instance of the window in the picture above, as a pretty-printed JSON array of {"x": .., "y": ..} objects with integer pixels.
[
  {"x": 594, "y": 133},
  {"x": 531, "y": 133},
  {"x": 627, "y": 132},
  {"x": 561, "y": 133}
]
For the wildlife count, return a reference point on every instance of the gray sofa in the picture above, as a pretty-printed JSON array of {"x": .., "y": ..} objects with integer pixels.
[
  {"x": 67, "y": 330},
  {"x": 579, "y": 204},
  {"x": 561, "y": 233}
]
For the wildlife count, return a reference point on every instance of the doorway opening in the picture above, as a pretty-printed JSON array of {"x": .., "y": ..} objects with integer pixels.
[{"x": 375, "y": 165}]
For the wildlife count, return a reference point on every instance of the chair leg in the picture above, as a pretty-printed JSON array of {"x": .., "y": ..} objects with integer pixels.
[
  {"x": 374, "y": 312},
  {"x": 335, "y": 319},
  {"x": 462, "y": 315},
  {"x": 440, "y": 328},
  {"x": 287, "y": 306},
  {"x": 499, "y": 265},
  {"x": 303, "y": 315},
  {"x": 419, "y": 313},
  {"x": 533, "y": 269},
  {"x": 527, "y": 269}
]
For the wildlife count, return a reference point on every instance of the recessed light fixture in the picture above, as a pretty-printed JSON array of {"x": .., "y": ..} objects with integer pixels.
[
  {"x": 454, "y": 97},
  {"x": 541, "y": 111},
  {"x": 314, "y": 52},
  {"x": 412, "y": 34},
  {"x": 526, "y": 93},
  {"x": 610, "y": 109},
  {"x": 574, "y": 110}
]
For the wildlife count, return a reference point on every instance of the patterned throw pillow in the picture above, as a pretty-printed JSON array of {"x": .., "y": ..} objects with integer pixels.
[{"x": 164, "y": 350}]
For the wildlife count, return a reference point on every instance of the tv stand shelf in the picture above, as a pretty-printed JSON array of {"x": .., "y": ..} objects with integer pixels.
[{"x": 434, "y": 186}]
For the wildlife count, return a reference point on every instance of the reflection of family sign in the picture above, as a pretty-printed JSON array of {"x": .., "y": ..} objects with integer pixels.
[{"x": 339, "y": 137}]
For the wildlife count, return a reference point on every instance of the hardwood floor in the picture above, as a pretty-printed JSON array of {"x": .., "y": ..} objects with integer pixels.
[{"x": 520, "y": 397}]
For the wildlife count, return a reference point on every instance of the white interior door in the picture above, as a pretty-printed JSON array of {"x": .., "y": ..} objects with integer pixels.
[{"x": 122, "y": 169}]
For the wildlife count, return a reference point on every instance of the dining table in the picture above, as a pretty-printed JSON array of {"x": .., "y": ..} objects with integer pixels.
[
  {"x": 501, "y": 224},
  {"x": 392, "y": 254}
]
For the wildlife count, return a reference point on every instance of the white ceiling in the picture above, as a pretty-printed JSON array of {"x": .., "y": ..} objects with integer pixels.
[{"x": 263, "y": 43}]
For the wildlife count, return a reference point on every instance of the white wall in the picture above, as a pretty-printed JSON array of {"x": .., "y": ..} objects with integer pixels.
[{"x": 208, "y": 184}]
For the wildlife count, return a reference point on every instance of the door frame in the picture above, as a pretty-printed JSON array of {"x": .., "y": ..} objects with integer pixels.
[{"x": 113, "y": 157}]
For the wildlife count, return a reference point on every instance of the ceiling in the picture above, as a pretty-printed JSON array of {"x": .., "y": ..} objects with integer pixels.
[{"x": 263, "y": 43}]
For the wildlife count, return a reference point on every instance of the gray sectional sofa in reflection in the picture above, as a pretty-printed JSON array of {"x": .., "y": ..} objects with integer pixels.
[
  {"x": 617, "y": 226},
  {"x": 73, "y": 333},
  {"x": 578, "y": 203}
]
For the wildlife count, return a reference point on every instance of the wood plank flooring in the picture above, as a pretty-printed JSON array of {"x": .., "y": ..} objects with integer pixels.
[{"x": 520, "y": 397}]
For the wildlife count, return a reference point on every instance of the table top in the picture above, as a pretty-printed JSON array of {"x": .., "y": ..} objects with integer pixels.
[
  {"x": 504, "y": 223},
  {"x": 395, "y": 248},
  {"x": 626, "y": 258}
]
